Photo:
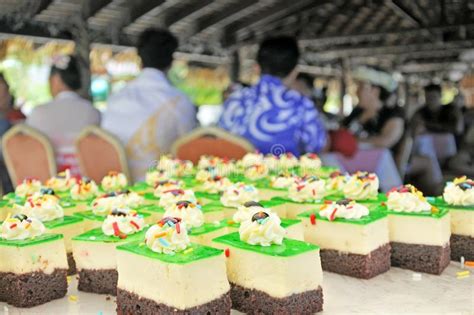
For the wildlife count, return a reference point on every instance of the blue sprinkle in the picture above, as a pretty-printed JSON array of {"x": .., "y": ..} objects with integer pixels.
[{"x": 164, "y": 242}]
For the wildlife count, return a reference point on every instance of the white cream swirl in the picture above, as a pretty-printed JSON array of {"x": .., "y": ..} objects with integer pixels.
[
  {"x": 61, "y": 182},
  {"x": 337, "y": 181},
  {"x": 256, "y": 171},
  {"x": 287, "y": 161},
  {"x": 250, "y": 159},
  {"x": 156, "y": 176},
  {"x": 308, "y": 189},
  {"x": 187, "y": 211},
  {"x": 344, "y": 209},
  {"x": 121, "y": 222},
  {"x": 216, "y": 184},
  {"x": 168, "y": 236},
  {"x": 460, "y": 192},
  {"x": 206, "y": 161},
  {"x": 28, "y": 187},
  {"x": 262, "y": 229},
  {"x": 407, "y": 199},
  {"x": 238, "y": 194},
  {"x": 114, "y": 181},
  {"x": 184, "y": 168},
  {"x": 43, "y": 207},
  {"x": 165, "y": 185},
  {"x": 104, "y": 204},
  {"x": 206, "y": 174},
  {"x": 171, "y": 197},
  {"x": 362, "y": 186},
  {"x": 283, "y": 181},
  {"x": 84, "y": 190},
  {"x": 246, "y": 211},
  {"x": 310, "y": 161},
  {"x": 21, "y": 227}
]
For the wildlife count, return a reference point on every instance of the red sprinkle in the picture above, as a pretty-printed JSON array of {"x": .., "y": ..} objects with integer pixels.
[
  {"x": 312, "y": 218},
  {"x": 116, "y": 229},
  {"x": 178, "y": 228},
  {"x": 328, "y": 202},
  {"x": 134, "y": 224},
  {"x": 314, "y": 192},
  {"x": 227, "y": 252},
  {"x": 298, "y": 188},
  {"x": 333, "y": 215},
  {"x": 13, "y": 226}
]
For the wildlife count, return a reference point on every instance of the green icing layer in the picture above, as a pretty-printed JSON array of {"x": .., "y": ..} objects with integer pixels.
[
  {"x": 151, "y": 208},
  {"x": 426, "y": 214},
  {"x": 206, "y": 195},
  {"x": 96, "y": 235},
  {"x": 4, "y": 203},
  {"x": 206, "y": 228},
  {"x": 89, "y": 215},
  {"x": 372, "y": 217},
  {"x": 283, "y": 200},
  {"x": 31, "y": 241},
  {"x": 66, "y": 220},
  {"x": 285, "y": 223},
  {"x": 272, "y": 202},
  {"x": 192, "y": 253},
  {"x": 150, "y": 196},
  {"x": 189, "y": 181},
  {"x": 323, "y": 171},
  {"x": 212, "y": 207},
  {"x": 440, "y": 202},
  {"x": 288, "y": 248},
  {"x": 140, "y": 186}
]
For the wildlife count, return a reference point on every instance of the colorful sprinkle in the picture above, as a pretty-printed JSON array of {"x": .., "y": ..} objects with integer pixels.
[
  {"x": 332, "y": 217},
  {"x": 135, "y": 225},
  {"x": 187, "y": 251},
  {"x": 463, "y": 273},
  {"x": 227, "y": 252},
  {"x": 69, "y": 279},
  {"x": 312, "y": 219},
  {"x": 116, "y": 229},
  {"x": 164, "y": 242},
  {"x": 73, "y": 298}
]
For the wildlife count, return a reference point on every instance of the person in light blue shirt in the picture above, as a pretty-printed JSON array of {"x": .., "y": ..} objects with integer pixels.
[{"x": 273, "y": 117}]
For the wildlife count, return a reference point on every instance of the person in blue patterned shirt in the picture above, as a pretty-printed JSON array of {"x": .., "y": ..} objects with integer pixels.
[{"x": 273, "y": 117}]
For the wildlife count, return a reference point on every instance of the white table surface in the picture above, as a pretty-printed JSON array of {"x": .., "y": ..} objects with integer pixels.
[{"x": 395, "y": 292}]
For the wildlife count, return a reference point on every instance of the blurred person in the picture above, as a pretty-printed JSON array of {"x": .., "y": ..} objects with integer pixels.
[
  {"x": 271, "y": 115},
  {"x": 373, "y": 120},
  {"x": 63, "y": 118},
  {"x": 149, "y": 114},
  {"x": 434, "y": 117}
]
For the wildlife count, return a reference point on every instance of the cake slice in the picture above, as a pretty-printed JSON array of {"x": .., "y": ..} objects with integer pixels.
[
  {"x": 270, "y": 274},
  {"x": 354, "y": 241},
  {"x": 94, "y": 251},
  {"x": 293, "y": 227},
  {"x": 419, "y": 233},
  {"x": 83, "y": 193},
  {"x": 458, "y": 198},
  {"x": 114, "y": 181},
  {"x": 33, "y": 265},
  {"x": 169, "y": 275}
]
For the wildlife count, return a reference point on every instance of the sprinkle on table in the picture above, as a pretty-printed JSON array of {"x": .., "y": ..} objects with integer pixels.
[
  {"x": 463, "y": 274},
  {"x": 227, "y": 252},
  {"x": 69, "y": 279},
  {"x": 73, "y": 298},
  {"x": 416, "y": 276},
  {"x": 312, "y": 219}
]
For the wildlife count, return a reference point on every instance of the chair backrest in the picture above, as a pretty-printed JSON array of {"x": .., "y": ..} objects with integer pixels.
[
  {"x": 210, "y": 141},
  {"x": 99, "y": 152},
  {"x": 28, "y": 154},
  {"x": 402, "y": 156}
]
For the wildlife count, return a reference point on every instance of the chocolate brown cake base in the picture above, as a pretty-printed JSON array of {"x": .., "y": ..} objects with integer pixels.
[
  {"x": 252, "y": 301},
  {"x": 98, "y": 281},
  {"x": 31, "y": 289},
  {"x": 72, "y": 264},
  {"x": 422, "y": 258},
  {"x": 355, "y": 265},
  {"x": 462, "y": 246},
  {"x": 129, "y": 303}
]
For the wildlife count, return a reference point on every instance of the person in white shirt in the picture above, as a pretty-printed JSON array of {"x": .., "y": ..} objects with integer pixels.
[
  {"x": 67, "y": 114},
  {"x": 149, "y": 114}
]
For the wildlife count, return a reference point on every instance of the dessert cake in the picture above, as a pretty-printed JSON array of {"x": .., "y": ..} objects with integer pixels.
[
  {"x": 47, "y": 209},
  {"x": 83, "y": 193},
  {"x": 61, "y": 183},
  {"x": 270, "y": 274},
  {"x": 419, "y": 233},
  {"x": 458, "y": 197},
  {"x": 353, "y": 241},
  {"x": 33, "y": 265},
  {"x": 276, "y": 186},
  {"x": 309, "y": 161},
  {"x": 303, "y": 194},
  {"x": 363, "y": 187},
  {"x": 28, "y": 187},
  {"x": 114, "y": 181},
  {"x": 255, "y": 172},
  {"x": 170, "y": 275},
  {"x": 238, "y": 194},
  {"x": 94, "y": 251},
  {"x": 293, "y": 227}
]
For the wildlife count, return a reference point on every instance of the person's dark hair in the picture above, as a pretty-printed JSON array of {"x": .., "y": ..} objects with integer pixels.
[
  {"x": 278, "y": 56},
  {"x": 306, "y": 78},
  {"x": 67, "y": 67},
  {"x": 156, "y": 47},
  {"x": 433, "y": 88},
  {"x": 3, "y": 80},
  {"x": 384, "y": 93}
]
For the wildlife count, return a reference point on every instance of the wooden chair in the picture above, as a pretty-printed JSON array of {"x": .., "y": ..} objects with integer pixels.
[
  {"x": 99, "y": 152},
  {"x": 210, "y": 141},
  {"x": 28, "y": 154}
]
